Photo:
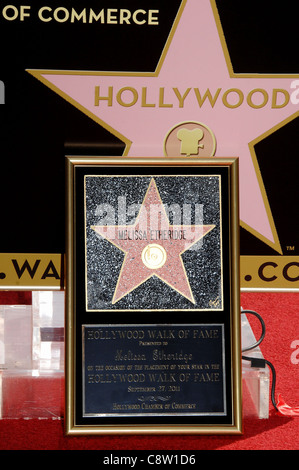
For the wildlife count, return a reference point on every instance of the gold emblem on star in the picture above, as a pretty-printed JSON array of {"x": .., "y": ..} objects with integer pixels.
[{"x": 190, "y": 139}]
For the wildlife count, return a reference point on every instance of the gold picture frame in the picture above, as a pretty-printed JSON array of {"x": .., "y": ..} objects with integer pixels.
[{"x": 152, "y": 311}]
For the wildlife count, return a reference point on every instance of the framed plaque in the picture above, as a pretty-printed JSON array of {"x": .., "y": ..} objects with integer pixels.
[{"x": 152, "y": 317}]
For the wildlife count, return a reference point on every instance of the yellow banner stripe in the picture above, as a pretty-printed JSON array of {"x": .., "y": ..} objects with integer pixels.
[
  {"x": 31, "y": 271},
  {"x": 269, "y": 272}
]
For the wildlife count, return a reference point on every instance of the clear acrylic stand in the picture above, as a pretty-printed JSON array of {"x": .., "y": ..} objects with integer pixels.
[
  {"x": 256, "y": 381},
  {"x": 32, "y": 362},
  {"x": 32, "y": 357}
]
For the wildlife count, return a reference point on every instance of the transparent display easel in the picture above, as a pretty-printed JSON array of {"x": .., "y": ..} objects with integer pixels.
[
  {"x": 256, "y": 381},
  {"x": 32, "y": 357},
  {"x": 32, "y": 362}
]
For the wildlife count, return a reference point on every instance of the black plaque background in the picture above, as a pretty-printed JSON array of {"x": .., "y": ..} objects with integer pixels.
[
  {"x": 204, "y": 270},
  {"x": 82, "y": 317},
  {"x": 177, "y": 384}
]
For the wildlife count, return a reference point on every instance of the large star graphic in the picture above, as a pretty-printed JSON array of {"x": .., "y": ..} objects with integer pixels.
[
  {"x": 152, "y": 247},
  {"x": 141, "y": 108}
]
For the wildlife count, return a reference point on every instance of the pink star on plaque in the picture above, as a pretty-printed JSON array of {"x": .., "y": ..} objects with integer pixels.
[
  {"x": 194, "y": 83},
  {"x": 153, "y": 247}
]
